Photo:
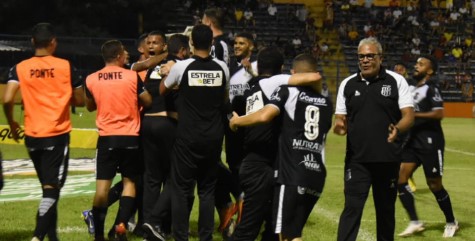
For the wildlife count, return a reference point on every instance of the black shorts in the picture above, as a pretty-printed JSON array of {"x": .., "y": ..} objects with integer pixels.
[
  {"x": 109, "y": 161},
  {"x": 51, "y": 164},
  {"x": 432, "y": 160},
  {"x": 293, "y": 205}
]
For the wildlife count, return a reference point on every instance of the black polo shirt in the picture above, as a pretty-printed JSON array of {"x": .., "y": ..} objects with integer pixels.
[
  {"x": 202, "y": 91},
  {"x": 370, "y": 107}
]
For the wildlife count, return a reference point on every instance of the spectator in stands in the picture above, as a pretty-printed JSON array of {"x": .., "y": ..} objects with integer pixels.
[
  {"x": 457, "y": 52},
  {"x": 397, "y": 13},
  {"x": 458, "y": 79},
  {"x": 301, "y": 13},
  {"x": 435, "y": 26},
  {"x": 367, "y": 27},
  {"x": 238, "y": 13},
  {"x": 353, "y": 35},
  {"x": 467, "y": 88},
  {"x": 416, "y": 41},
  {"x": 329, "y": 16},
  {"x": 472, "y": 4},
  {"x": 449, "y": 5},
  {"x": 454, "y": 17},
  {"x": 415, "y": 52},
  {"x": 467, "y": 55},
  {"x": 387, "y": 16},
  {"x": 343, "y": 30},
  {"x": 249, "y": 18},
  {"x": 297, "y": 43},
  {"x": 272, "y": 10},
  {"x": 345, "y": 10},
  {"x": 324, "y": 50}
]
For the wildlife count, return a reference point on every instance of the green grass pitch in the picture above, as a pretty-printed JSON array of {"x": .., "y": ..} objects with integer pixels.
[{"x": 17, "y": 217}]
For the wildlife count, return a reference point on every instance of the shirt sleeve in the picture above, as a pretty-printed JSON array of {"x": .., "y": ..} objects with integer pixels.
[
  {"x": 405, "y": 95},
  {"x": 174, "y": 77},
  {"x": 269, "y": 85},
  {"x": 340, "y": 108},
  {"x": 279, "y": 97},
  {"x": 436, "y": 99},
  {"x": 12, "y": 75}
]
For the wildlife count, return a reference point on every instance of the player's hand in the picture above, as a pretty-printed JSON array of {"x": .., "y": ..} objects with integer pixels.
[
  {"x": 232, "y": 122},
  {"x": 165, "y": 68},
  {"x": 246, "y": 63},
  {"x": 393, "y": 132},
  {"x": 15, "y": 131},
  {"x": 340, "y": 127}
]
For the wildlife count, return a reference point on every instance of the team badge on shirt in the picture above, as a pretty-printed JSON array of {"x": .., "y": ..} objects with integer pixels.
[
  {"x": 386, "y": 90},
  {"x": 205, "y": 78},
  {"x": 156, "y": 73}
]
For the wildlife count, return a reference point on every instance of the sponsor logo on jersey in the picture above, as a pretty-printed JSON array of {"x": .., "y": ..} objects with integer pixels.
[
  {"x": 386, "y": 90},
  {"x": 205, "y": 78},
  {"x": 312, "y": 100},
  {"x": 156, "y": 73},
  {"x": 310, "y": 163},
  {"x": 357, "y": 93},
  {"x": 238, "y": 89},
  {"x": 254, "y": 102},
  {"x": 298, "y": 144}
]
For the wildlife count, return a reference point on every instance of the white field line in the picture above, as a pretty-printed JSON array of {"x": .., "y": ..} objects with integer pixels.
[
  {"x": 363, "y": 234},
  {"x": 460, "y": 152}
]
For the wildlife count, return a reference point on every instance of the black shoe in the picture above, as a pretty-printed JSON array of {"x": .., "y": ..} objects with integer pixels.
[{"x": 154, "y": 233}]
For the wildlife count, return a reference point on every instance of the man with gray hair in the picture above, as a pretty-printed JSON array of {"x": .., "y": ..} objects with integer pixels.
[{"x": 373, "y": 107}]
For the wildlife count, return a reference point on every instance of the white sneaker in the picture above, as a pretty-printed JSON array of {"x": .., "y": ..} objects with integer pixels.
[
  {"x": 35, "y": 239},
  {"x": 414, "y": 227},
  {"x": 451, "y": 229}
]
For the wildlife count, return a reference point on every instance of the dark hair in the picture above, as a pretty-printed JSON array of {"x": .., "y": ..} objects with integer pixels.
[
  {"x": 176, "y": 42},
  {"x": 42, "y": 35},
  {"x": 202, "y": 37},
  {"x": 401, "y": 63},
  {"x": 216, "y": 15},
  {"x": 159, "y": 33},
  {"x": 307, "y": 58},
  {"x": 270, "y": 61},
  {"x": 433, "y": 62},
  {"x": 111, "y": 49},
  {"x": 141, "y": 39},
  {"x": 246, "y": 35}
]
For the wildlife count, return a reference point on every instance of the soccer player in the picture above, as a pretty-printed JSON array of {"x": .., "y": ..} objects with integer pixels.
[
  {"x": 115, "y": 92},
  {"x": 158, "y": 136},
  {"x": 154, "y": 52},
  {"x": 260, "y": 145},
  {"x": 48, "y": 87},
  {"x": 373, "y": 107},
  {"x": 401, "y": 69},
  {"x": 214, "y": 18},
  {"x": 425, "y": 147},
  {"x": 306, "y": 117},
  {"x": 144, "y": 54},
  {"x": 203, "y": 83},
  {"x": 243, "y": 67}
]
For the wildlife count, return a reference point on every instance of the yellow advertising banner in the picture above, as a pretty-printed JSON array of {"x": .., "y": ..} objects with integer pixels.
[{"x": 80, "y": 138}]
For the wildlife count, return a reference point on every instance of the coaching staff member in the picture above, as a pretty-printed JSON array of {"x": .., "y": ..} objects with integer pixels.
[
  {"x": 202, "y": 82},
  {"x": 115, "y": 92},
  {"x": 48, "y": 87},
  {"x": 373, "y": 107}
]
